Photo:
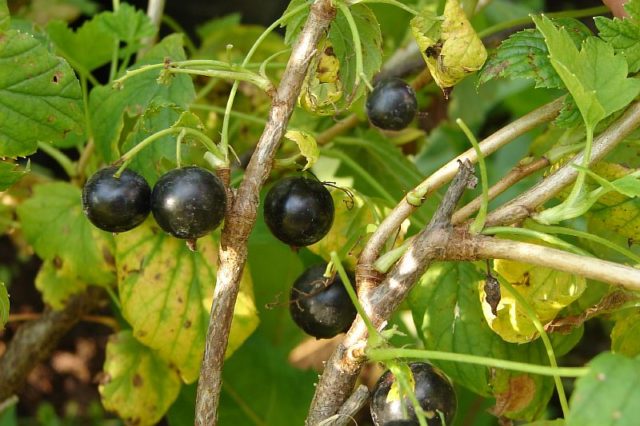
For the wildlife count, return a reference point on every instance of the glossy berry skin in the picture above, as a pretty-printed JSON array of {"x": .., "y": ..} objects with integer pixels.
[
  {"x": 299, "y": 211},
  {"x": 116, "y": 204},
  {"x": 189, "y": 202},
  {"x": 392, "y": 104},
  {"x": 321, "y": 306},
  {"x": 433, "y": 391}
]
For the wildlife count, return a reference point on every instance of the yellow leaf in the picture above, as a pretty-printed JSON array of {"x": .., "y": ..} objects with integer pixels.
[
  {"x": 449, "y": 44},
  {"x": 306, "y": 144},
  {"x": 547, "y": 291}
]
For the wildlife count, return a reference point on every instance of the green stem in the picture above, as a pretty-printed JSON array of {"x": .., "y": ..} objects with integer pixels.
[
  {"x": 204, "y": 139},
  {"x": 116, "y": 48},
  {"x": 579, "y": 13},
  {"x": 584, "y": 235},
  {"x": 355, "y": 34},
  {"x": 179, "y": 148},
  {"x": 384, "y": 354},
  {"x": 352, "y": 294},
  {"x": 114, "y": 298},
  {"x": 392, "y": 3},
  {"x": 530, "y": 312},
  {"x": 387, "y": 260},
  {"x": 478, "y": 222},
  {"x": 576, "y": 191},
  {"x": 497, "y": 230},
  {"x": 375, "y": 184},
  {"x": 64, "y": 161},
  {"x": 224, "y": 139},
  {"x": 249, "y": 77}
]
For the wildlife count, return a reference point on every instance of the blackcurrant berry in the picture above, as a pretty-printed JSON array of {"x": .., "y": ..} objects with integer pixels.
[
  {"x": 434, "y": 393},
  {"x": 392, "y": 104},
  {"x": 188, "y": 202},
  {"x": 116, "y": 204},
  {"x": 299, "y": 211},
  {"x": 319, "y": 305}
]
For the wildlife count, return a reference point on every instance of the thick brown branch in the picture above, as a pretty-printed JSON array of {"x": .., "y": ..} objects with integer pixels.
[
  {"x": 241, "y": 216},
  {"x": 341, "y": 371},
  {"x": 36, "y": 340},
  {"x": 522, "y": 206}
]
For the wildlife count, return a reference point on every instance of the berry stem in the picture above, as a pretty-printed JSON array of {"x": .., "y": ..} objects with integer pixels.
[
  {"x": 201, "y": 137},
  {"x": 384, "y": 354}
]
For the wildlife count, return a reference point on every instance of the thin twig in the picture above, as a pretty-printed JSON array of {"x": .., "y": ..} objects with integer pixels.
[
  {"x": 522, "y": 206},
  {"x": 518, "y": 173},
  {"x": 241, "y": 215},
  {"x": 346, "y": 413}
]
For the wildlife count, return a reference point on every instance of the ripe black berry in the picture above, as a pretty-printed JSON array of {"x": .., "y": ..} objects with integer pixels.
[
  {"x": 319, "y": 305},
  {"x": 116, "y": 204},
  {"x": 299, "y": 211},
  {"x": 392, "y": 104},
  {"x": 188, "y": 202},
  {"x": 433, "y": 391}
]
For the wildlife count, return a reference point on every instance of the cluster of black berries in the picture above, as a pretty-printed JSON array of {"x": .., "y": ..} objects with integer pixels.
[{"x": 187, "y": 203}]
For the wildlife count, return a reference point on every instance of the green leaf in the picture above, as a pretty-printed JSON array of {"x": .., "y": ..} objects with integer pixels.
[
  {"x": 40, "y": 97},
  {"x": 595, "y": 76},
  {"x": 295, "y": 22},
  {"x": 57, "y": 282},
  {"x": 54, "y": 224},
  {"x": 623, "y": 35},
  {"x": 609, "y": 394},
  {"x": 10, "y": 173},
  {"x": 446, "y": 312},
  {"x": 525, "y": 55},
  {"x": 153, "y": 160},
  {"x": 109, "y": 105},
  {"x": 625, "y": 336},
  {"x": 557, "y": 422},
  {"x": 166, "y": 292},
  {"x": 449, "y": 44},
  {"x": 306, "y": 144},
  {"x": 4, "y": 305},
  {"x": 344, "y": 47},
  {"x": 632, "y": 7},
  {"x": 87, "y": 48},
  {"x": 5, "y": 18},
  {"x": 138, "y": 384},
  {"x": 128, "y": 25}
]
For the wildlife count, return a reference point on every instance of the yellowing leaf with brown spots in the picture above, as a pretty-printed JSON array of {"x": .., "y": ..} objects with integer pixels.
[
  {"x": 449, "y": 44},
  {"x": 547, "y": 291},
  {"x": 57, "y": 282},
  {"x": 166, "y": 292},
  {"x": 137, "y": 384}
]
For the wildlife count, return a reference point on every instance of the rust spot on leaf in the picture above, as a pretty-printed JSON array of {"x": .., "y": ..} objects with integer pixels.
[
  {"x": 108, "y": 256},
  {"x": 137, "y": 381},
  {"x": 187, "y": 324}
]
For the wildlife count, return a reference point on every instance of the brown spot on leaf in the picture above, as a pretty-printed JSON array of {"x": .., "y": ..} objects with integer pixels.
[
  {"x": 108, "y": 256},
  {"x": 517, "y": 397},
  {"x": 137, "y": 381},
  {"x": 57, "y": 76},
  {"x": 57, "y": 262},
  {"x": 329, "y": 51},
  {"x": 187, "y": 324}
]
